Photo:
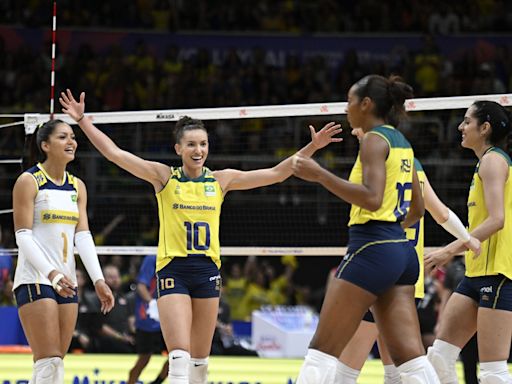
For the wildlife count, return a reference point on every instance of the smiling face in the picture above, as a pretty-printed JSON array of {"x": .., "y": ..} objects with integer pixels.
[
  {"x": 61, "y": 143},
  {"x": 473, "y": 133},
  {"x": 193, "y": 149}
]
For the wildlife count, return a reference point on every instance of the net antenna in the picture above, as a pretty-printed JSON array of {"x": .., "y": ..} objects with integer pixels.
[{"x": 54, "y": 45}]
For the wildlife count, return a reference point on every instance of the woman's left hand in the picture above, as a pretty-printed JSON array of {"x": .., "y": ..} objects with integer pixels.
[{"x": 105, "y": 295}]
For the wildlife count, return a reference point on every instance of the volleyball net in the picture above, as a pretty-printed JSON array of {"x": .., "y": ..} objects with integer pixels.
[{"x": 294, "y": 217}]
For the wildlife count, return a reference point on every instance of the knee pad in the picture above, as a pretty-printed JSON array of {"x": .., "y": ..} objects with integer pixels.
[
  {"x": 47, "y": 371},
  {"x": 495, "y": 372},
  {"x": 444, "y": 368},
  {"x": 391, "y": 375},
  {"x": 418, "y": 371},
  {"x": 198, "y": 371},
  {"x": 178, "y": 366},
  {"x": 345, "y": 374},
  {"x": 318, "y": 368}
]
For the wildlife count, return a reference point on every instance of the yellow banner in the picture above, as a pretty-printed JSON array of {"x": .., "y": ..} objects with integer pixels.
[{"x": 113, "y": 369}]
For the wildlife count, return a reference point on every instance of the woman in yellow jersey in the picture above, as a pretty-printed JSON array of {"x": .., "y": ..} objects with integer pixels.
[
  {"x": 188, "y": 258},
  {"x": 50, "y": 219},
  {"x": 381, "y": 266},
  {"x": 356, "y": 352},
  {"x": 482, "y": 302}
]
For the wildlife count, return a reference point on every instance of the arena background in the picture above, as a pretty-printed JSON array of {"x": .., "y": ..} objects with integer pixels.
[{"x": 165, "y": 54}]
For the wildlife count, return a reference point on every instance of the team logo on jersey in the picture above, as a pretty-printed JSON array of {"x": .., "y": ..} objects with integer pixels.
[
  {"x": 209, "y": 190},
  {"x": 177, "y": 191},
  {"x": 74, "y": 198}
]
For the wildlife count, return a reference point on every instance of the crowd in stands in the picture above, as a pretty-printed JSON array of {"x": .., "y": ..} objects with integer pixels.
[
  {"x": 292, "y": 16},
  {"x": 174, "y": 80}
]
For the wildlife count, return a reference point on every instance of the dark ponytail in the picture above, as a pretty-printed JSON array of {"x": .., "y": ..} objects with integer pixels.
[
  {"x": 388, "y": 95},
  {"x": 32, "y": 151},
  {"x": 497, "y": 116}
]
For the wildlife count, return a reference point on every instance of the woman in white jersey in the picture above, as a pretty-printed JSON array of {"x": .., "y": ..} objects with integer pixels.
[
  {"x": 188, "y": 257},
  {"x": 50, "y": 219}
]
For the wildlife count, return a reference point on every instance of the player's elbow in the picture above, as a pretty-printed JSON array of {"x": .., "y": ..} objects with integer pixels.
[
  {"x": 373, "y": 204},
  {"x": 498, "y": 222}
]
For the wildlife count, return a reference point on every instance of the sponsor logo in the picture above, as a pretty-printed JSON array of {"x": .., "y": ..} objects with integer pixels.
[
  {"x": 74, "y": 198},
  {"x": 193, "y": 207},
  {"x": 471, "y": 204},
  {"x": 166, "y": 116},
  {"x": 63, "y": 217},
  {"x": 486, "y": 289},
  {"x": 216, "y": 277}
]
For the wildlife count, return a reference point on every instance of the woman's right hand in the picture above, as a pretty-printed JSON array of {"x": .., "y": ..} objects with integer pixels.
[
  {"x": 63, "y": 286},
  {"x": 75, "y": 109}
]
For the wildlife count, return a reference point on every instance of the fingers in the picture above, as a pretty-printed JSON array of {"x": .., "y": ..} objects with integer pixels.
[
  {"x": 82, "y": 97},
  {"x": 70, "y": 95},
  {"x": 65, "y": 287}
]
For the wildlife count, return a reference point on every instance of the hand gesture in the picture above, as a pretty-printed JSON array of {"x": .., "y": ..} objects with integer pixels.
[
  {"x": 62, "y": 284},
  {"x": 473, "y": 244},
  {"x": 105, "y": 296},
  {"x": 70, "y": 106},
  {"x": 436, "y": 259},
  {"x": 324, "y": 137},
  {"x": 306, "y": 168}
]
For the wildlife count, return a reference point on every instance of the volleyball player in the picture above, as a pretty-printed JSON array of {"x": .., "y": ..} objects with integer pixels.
[
  {"x": 356, "y": 352},
  {"x": 50, "y": 219},
  {"x": 381, "y": 266},
  {"x": 188, "y": 259},
  {"x": 482, "y": 302}
]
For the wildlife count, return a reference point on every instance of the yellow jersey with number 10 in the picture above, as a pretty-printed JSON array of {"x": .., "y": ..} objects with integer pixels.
[
  {"x": 189, "y": 213},
  {"x": 495, "y": 256},
  {"x": 398, "y": 189}
]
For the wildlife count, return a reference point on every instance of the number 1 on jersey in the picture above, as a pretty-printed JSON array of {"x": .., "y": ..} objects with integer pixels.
[{"x": 194, "y": 235}]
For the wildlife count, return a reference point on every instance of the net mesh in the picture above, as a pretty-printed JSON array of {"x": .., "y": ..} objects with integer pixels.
[{"x": 302, "y": 217}]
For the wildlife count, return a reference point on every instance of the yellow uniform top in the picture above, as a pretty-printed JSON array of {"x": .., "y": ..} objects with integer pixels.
[
  {"x": 415, "y": 235},
  {"x": 189, "y": 213},
  {"x": 495, "y": 256},
  {"x": 398, "y": 189}
]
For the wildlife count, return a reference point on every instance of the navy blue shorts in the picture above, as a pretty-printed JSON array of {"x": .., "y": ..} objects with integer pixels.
[
  {"x": 28, "y": 293},
  {"x": 488, "y": 291},
  {"x": 197, "y": 277},
  {"x": 378, "y": 257}
]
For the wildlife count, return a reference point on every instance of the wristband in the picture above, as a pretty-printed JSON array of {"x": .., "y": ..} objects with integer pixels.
[
  {"x": 55, "y": 281},
  {"x": 80, "y": 118}
]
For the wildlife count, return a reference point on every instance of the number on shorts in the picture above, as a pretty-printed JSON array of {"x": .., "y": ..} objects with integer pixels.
[
  {"x": 167, "y": 283},
  {"x": 193, "y": 236}
]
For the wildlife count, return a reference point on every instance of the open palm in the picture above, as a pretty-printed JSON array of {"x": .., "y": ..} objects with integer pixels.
[
  {"x": 324, "y": 137},
  {"x": 75, "y": 109}
]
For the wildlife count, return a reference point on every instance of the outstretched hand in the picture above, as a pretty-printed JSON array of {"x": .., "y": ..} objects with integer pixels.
[
  {"x": 324, "y": 137},
  {"x": 71, "y": 107}
]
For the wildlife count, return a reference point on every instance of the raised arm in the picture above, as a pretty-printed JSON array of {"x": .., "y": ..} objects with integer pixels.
[
  {"x": 232, "y": 179},
  {"x": 370, "y": 193},
  {"x": 153, "y": 172}
]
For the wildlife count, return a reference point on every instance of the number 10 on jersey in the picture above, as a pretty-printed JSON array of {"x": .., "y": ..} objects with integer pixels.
[{"x": 194, "y": 232}]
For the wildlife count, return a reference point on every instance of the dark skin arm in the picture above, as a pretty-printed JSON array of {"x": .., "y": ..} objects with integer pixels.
[{"x": 368, "y": 195}]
